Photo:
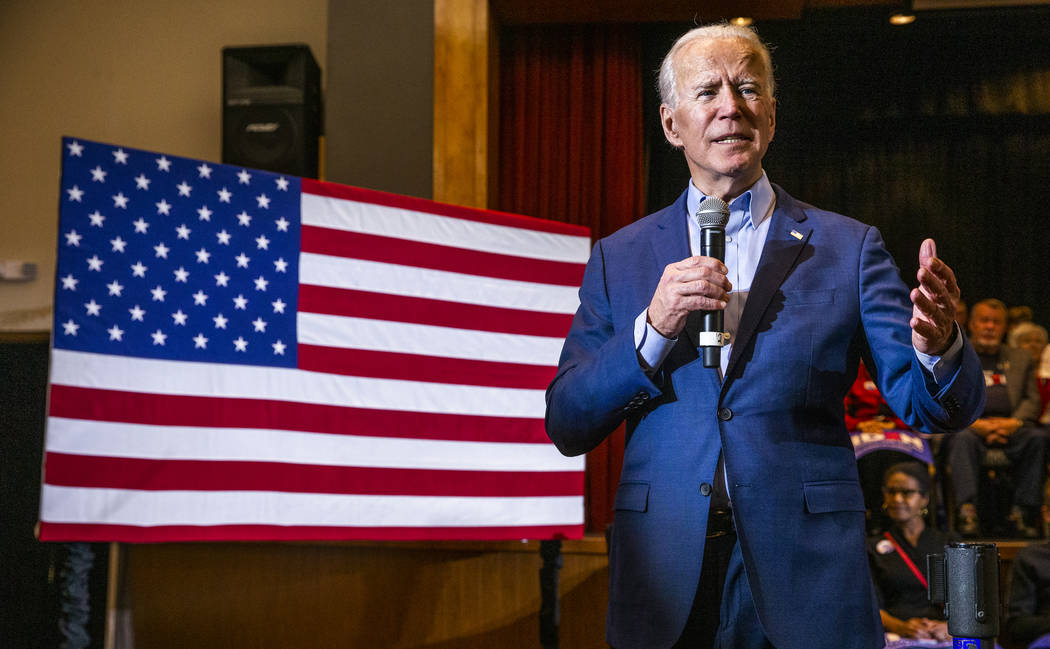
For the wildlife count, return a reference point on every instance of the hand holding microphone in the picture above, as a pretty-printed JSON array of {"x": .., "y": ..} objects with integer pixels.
[{"x": 694, "y": 284}]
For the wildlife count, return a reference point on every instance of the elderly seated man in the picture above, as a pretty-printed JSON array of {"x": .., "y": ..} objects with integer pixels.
[{"x": 1008, "y": 422}]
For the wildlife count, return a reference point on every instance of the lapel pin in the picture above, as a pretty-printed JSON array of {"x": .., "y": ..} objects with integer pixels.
[{"x": 796, "y": 234}]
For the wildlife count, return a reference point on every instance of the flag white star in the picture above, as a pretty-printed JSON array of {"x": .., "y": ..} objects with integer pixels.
[
  {"x": 261, "y": 283},
  {"x": 93, "y": 307},
  {"x": 76, "y": 149},
  {"x": 263, "y": 200},
  {"x": 244, "y": 219},
  {"x": 278, "y": 348},
  {"x": 282, "y": 224},
  {"x": 183, "y": 232},
  {"x": 120, "y": 157},
  {"x": 163, "y": 164},
  {"x": 242, "y": 260},
  {"x": 115, "y": 288},
  {"x": 204, "y": 214},
  {"x": 118, "y": 244},
  {"x": 220, "y": 321},
  {"x": 141, "y": 182},
  {"x": 138, "y": 270},
  {"x": 164, "y": 207},
  {"x": 137, "y": 313},
  {"x": 76, "y": 194},
  {"x": 200, "y": 297},
  {"x": 259, "y": 324},
  {"x": 98, "y": 175},
  {"x": 94, "y": 263},
  {"x": 262, "y": 242},
  {"x": 115, "y": 333},
  {"x": 120, "y": 200},
  {"x": 278, "y": 305},
  {"x": 179, "y": 317},
  {"x": 204, "y": 170},
  {"x": 282, "y": 184},
  {"x": 240, "y": 302},
  {"x": 224, "y": 195},
  {"x": 281, "y": 265},
  {"x": 70, "y": 327},
  {"x": 200, "y": 342},
  {"x": 222, "y": 279},
  {"x": 241, "y": 344},
  {"x": 244, "y": 177},
  {"x": 140, "y": 225},
  {"x": 159, "y": 337},
  {"x": 224, "y": 237},
  {"x": 73, "y": 239},
  {"x": 96, "y": 218},
  {"x": 181, "y": 274},
  {"x": 203, "y": 256},
  {"x": 158, "y": 293},
  {"x": 162, "y": 250},
  {"x": 69, "y": 282},
  {"x": 184, "y": 188}
]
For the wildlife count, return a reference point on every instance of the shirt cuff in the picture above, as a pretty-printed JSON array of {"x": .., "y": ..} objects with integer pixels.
[
  {"x": 944, "y": 366},
  {"x": 650, "y": 344}
]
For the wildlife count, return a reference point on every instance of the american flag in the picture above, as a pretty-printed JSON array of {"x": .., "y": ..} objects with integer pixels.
[{"x": 241, "y": 355}]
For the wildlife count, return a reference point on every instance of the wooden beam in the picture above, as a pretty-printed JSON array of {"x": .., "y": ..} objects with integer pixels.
[{"x": 464, "y": 106}]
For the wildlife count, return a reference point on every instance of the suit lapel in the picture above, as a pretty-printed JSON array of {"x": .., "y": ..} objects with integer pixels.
[
  {"x": 670, "y": 242},
  {"x": 786, "y": 239}
]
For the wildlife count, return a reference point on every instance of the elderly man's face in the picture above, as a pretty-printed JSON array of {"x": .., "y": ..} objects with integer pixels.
[
  {"x": 725, "y": 117},
  {"x": 987, "y": 327}
]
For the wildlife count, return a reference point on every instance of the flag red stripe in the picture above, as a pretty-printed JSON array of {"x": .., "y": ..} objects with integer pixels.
[
  {"x": 417, "y": 310},
  {"x": 416, "y": 367},
  {"x": 215, "y": 412},
  {"x": 90, "y": 471},
  {"x": 176, "y": 533},
  {"x": 321, "y": 188},
  {"x": 371, "y": 247}
]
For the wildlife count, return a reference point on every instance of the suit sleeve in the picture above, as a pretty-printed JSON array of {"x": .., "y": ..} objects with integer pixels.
[
  {"x": 909, "y": 388},
  {"x": 599, "y": 380}
]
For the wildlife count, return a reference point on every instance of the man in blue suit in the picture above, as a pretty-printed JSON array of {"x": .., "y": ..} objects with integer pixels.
[{"x": 739, "y": 514}]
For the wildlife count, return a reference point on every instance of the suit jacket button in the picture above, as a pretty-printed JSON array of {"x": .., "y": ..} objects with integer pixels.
[
  {"x": 725, "y": 414},
  {"x": 705, "y": 489}
]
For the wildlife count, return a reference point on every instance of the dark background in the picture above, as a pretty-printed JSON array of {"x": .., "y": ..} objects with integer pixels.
[{"x": 936, "y": 129}]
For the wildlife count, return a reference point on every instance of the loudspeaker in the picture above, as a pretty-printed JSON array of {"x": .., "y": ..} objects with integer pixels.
[{"x": 271, "y": 118}]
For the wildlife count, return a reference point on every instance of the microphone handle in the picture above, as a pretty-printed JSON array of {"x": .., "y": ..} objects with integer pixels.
[{"x": 713, "y": 244}]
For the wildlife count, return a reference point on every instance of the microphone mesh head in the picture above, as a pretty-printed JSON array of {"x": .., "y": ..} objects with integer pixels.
[{"x": 712, "y": 212}]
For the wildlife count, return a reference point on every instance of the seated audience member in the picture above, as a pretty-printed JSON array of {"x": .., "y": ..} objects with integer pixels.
[
  {"x": 1032, "y": 338},
  {"x": 866, "y": 410},
  {"x": 1011, "y": 408},
  {"x": 1028, "y": 613},
  {"x": 898, "y": 556},
  {"x": 1016, "y": 315}
]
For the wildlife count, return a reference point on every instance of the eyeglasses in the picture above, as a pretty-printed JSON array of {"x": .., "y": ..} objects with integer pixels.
[{"x": 894, "y": 491}]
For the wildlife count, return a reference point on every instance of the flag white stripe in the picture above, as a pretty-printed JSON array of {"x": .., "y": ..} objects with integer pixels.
[
  {"x": 111, "y": 439},
  {"x": 152, "y": 508},
  {"x": 429, "y": 340},
  {"x": 130, "y": 374},
  {"x": 369, "y": 218},
  {"x": 411, "y": 281}
]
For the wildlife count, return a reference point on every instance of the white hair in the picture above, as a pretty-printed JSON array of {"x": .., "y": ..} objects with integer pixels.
[{"x": 667, "y": 82}]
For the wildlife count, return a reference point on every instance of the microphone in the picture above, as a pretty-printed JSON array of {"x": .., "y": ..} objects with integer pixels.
[{"x": 712, "y": 216}]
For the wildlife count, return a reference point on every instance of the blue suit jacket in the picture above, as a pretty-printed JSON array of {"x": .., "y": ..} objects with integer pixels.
[{"x": 825, "y": 293}]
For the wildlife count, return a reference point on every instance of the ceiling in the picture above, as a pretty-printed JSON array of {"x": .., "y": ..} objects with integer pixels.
[{"x": 521, "y": 12}]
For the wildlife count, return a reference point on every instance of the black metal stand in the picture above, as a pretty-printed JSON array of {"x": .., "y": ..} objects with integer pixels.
[{"x": 550, "y": 552}]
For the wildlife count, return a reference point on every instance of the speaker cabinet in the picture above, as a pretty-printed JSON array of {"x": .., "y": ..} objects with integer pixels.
[{"x": 271, "y": 118}]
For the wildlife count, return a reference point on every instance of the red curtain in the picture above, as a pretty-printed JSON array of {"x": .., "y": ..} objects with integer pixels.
[{"x": 571, "y": 149}]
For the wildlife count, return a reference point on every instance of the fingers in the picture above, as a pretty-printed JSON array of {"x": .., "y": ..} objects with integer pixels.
[{"x": 693, "y": 284}]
